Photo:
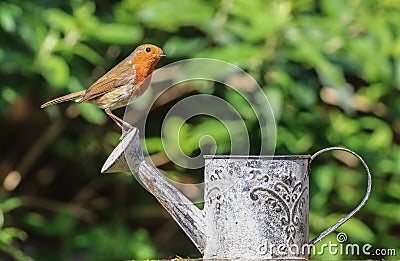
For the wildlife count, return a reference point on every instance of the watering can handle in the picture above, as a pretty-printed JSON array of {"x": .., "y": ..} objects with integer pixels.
[{"x": 362, "y": 203}]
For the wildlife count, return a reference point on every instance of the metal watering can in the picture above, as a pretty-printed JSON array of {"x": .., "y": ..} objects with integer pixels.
[{"x": 256, "y": 207}]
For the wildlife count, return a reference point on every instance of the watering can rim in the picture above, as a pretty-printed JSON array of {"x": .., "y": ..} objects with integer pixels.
[{"x": 256, "y": 157}]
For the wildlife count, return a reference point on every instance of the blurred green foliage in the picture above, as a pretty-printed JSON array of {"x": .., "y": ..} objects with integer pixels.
[
  {"x": 8, "y": 234},
  {"x": 331, "y": 70}
]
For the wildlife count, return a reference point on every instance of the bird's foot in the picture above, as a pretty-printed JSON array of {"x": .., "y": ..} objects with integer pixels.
[{"x": 126, "y": 128}]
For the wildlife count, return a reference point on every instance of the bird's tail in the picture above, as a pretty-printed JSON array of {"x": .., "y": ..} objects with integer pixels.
[{"x": 68, "y": 97}]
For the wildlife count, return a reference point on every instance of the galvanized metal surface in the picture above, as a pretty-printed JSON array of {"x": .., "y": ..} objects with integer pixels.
[
  {"x": 363, "y": 201},
  {"x": 255, "y": 207},
  {"x": 189, "y": 217},
  {"x": 128, "y": 156},
  {"x": 258, "y": 157},
  {"x": 128, "y": 150}
]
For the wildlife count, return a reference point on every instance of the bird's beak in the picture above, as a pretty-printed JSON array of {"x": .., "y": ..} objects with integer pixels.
[{"x": 161, "y": 55}]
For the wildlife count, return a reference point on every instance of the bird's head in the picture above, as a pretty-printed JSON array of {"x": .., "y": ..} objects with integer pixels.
[{"x": 147, "y": 55}]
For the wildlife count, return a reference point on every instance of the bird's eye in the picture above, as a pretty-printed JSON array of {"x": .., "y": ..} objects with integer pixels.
[{"x": 148, "y": 49}]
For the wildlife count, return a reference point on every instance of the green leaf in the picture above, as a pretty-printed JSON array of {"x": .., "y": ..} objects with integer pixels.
[
  {"x": 335, "y": 8},
  {"x": 259, "y": 20},
  {"x": 114, "y": 33},
  {"x": 275, "y": 99},
  {"x": 324, "y": 178},
  {"x": 381, "y": 136},
  {"x": 162, "y": 15},
  {"x": 55, "y": 70},
  {"x": 9, "y": 94},
  {"x": 60, "y": 20},
  {"x": 9, "y": 14},
  {"x": 10, "y": 204},
  {"x": 355, "y": 229},
  {"x": 9, "y": 233},
  {"x": 154, "y": 145},
  {"x": 179, "y": 46},
  {"x": 241, "y": 54}
]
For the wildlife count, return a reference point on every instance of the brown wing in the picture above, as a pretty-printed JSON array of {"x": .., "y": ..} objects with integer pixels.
[{"x": 118, "y": 76}]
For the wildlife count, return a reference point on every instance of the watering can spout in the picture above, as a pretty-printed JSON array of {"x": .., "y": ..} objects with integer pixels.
[{"x": 128, "y": 157}]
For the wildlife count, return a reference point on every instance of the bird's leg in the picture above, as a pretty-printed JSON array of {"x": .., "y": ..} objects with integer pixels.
[
  {"x": 114, "y": 120},
  {"x": 125, "y": 127}
]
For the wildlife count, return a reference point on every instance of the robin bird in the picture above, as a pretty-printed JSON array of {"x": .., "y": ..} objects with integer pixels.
[{"x": 121, "y": 85}]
